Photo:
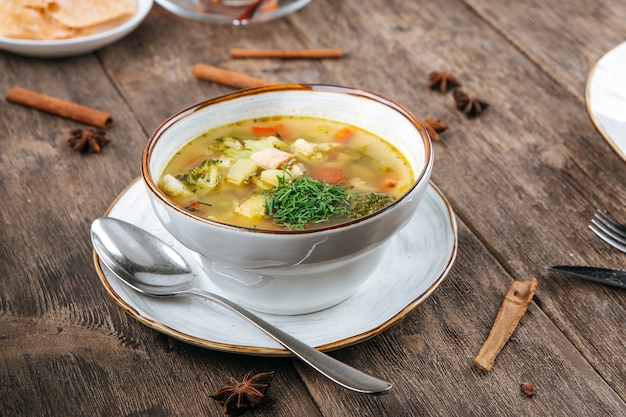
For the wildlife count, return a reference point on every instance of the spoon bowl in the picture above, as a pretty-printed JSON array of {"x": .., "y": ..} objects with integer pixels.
[{"x": 148, "y": 265}]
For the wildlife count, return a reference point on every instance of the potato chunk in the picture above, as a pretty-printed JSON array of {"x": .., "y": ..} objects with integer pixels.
[{"x": 265, "y": 143}]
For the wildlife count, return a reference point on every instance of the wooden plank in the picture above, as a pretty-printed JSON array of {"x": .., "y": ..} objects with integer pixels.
[
  {"x": 565, "y": 38},
  {"x": 123, "y": 368},
  {"x": 158, "y": 80},
  {"x": 66, "y": 348}
]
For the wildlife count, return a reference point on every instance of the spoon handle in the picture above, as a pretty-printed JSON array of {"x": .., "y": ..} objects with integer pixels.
[{"x": 333, "y": 369}]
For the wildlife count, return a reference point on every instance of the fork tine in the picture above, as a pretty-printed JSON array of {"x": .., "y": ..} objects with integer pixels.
[
  {"x": 607, "y": 235},
  {"x": 610, "y": 223}
]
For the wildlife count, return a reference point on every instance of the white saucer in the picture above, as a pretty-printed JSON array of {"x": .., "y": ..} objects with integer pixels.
[
  {"x": 605, "y": 97},
  {"x": 418, "y": 259},
  {"x": 80, "y": 45}
]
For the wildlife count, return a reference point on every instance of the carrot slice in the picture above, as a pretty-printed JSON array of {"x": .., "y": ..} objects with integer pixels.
[
  {"x": 327, "y": 174},
  {"x": 344, "y": 134},
  {"x": 277, "y": 129},
  {"x": 390, "y": 181}
]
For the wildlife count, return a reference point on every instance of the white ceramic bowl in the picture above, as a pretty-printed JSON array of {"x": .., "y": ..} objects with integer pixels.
[
  {"x": 80, "y": 45},
  {"x": 290, "y": 272}
]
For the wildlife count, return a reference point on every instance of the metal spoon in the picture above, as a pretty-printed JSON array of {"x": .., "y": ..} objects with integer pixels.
[{"x": 150, "y": 266}]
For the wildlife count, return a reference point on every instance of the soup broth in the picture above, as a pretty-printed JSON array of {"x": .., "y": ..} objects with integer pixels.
[{"x": 253, "y": 172}]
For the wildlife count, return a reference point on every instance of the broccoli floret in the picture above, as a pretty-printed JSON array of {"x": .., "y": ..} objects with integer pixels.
[
  {"x": 204, "y": 176},
  {"x": 364, "y": 204},
  {"x": 226, "y": 142},
  {"x": 231, "y": 146}
]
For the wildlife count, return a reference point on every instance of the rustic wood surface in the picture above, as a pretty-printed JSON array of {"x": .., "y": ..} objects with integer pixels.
[{"x": 524, "y": 179}]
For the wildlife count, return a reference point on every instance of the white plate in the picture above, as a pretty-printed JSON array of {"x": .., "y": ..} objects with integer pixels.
[
  {"x": 76, "y": 46},
  {"x": 418, "y": 259},
  {"x": 215, "y": 12},
  {"x": 605, "y": 97}
]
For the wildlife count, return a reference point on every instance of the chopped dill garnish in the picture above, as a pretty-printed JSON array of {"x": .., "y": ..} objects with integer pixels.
[
  {"x": 368, "y": 203},
  {"x": 299, "y": 201}
]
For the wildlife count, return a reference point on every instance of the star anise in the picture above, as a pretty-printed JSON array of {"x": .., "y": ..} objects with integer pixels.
[
  {"x": 442, "y": 81},
  {"x": 471, "y": 106},
  {"x": 88, "y": 140},
  {"x": 434, "y": 127},
  {"x": 237, "y": 397}
]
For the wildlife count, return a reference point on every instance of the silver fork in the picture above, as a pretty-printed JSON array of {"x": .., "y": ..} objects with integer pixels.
[{"x": 609, "y": 230}]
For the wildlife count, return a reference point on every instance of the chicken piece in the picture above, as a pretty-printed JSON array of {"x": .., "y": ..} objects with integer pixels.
[
  {"x": 272, "y": 158},
  {"x": 267, "y": 142}
]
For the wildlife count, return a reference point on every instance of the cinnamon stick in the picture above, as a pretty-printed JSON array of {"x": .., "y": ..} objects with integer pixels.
[
  {"x": 513, "y": 308},
  {"x": 226, "y": 77},
  {"x": 59, "y": 107},
  {"x": 286, "y": 53}
]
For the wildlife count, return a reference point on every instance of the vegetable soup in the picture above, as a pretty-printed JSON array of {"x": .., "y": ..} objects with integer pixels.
[{"x": 286, "y": 173}]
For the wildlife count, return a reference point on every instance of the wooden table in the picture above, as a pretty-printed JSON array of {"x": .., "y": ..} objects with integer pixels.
[{"x": 524, "y": 179}]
